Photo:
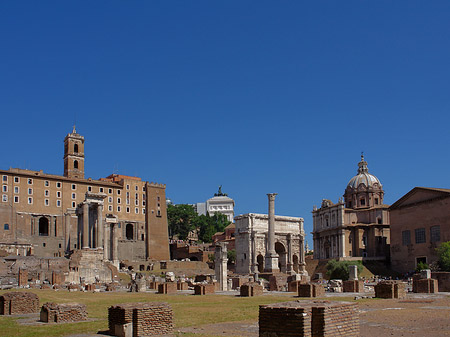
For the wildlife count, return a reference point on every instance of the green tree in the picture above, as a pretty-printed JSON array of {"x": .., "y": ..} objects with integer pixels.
[
  {"x": 181, "y": 219},
  {"x": 444, "y": 256},
  {"x": 231, "y": 256},
  {"x": 339, "y": 269},
  {"x": 209, "y": 225}
]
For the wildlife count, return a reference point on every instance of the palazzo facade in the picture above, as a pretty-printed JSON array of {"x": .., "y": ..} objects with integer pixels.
[
  {"x": 53, "y": 215},
  {"x": 358, "y": 225}
]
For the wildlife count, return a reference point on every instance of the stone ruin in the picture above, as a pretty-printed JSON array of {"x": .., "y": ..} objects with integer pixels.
[
  {"x": 138, "y": 283},
  {"x": 251, "y": 289},
  {"x": 18, "y": 303},
  {"x": 390, "y": 289},
  {"x": 423, "y": 283},
  {"x": 311, "y": 290},
  {"x": 167, "y": 288},
  {"x": 140, "y": 319},
  {"x": 309, "y": 318},
  {"x": 353, "y": 285},
  {"x": 204, "y": 289},
  {"x": 65, "y": 312}
]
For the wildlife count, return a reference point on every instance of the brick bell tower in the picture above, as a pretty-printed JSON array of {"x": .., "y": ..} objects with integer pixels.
[{"x": 74, "y": 155}]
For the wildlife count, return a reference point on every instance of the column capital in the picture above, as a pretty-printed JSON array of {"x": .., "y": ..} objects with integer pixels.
[{"x": 272, "y": 196}]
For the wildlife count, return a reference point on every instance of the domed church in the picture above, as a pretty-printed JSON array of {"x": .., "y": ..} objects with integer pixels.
[{"x": 356, "y": 226}]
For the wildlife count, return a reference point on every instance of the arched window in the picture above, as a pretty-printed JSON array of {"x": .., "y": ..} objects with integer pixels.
[
  {"x": 75, "y": 148},
  {"x": 75, "y": 164},
  {"x": 43, "y": 226},
  {"x": 129, "y": 231}
]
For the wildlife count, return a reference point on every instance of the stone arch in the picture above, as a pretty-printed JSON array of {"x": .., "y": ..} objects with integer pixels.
[
  {"x": 260, "y": 261},
  {"x": 129, "y": 231},
  {"x": 43, "y": 226},
  {"x": 75, "y": 148},
  {"x": 282, "y": 256}
]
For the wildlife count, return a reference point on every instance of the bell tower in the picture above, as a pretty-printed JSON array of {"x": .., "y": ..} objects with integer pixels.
[{"x": 74, "y": 155}]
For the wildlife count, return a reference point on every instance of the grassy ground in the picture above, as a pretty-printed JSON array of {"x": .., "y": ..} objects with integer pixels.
[{"x": 188, "y": 310}]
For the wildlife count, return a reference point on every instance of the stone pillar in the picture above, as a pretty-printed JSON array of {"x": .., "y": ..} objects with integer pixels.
[
  {"x": 289, "y": 268},
  {"x": 353, "y": 272},
  {"x": 85, "y": 225},
  {"x": 254, "y": 268},
  {"x": 67, "y": 232},
  {"x": 221, "y": 260},
  {"x": 342, "y": 243},
  {"x": 271, "y": 258},
  {"x": 302, "y": 263},
  {"x": 106, "y": 241},
  {"x": 99, "y": 230},
  {"x": 115, "y": 251},
  {"x": 23, "y": 277}
]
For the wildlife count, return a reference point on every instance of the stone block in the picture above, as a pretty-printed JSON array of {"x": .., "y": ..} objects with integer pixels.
[
  {"x": 311, "y": 290},
  {"x": 167, "y": 288},
  {"x": 425, "y": 273},
  {"x": 353, "y": 286},
  {"x": 204, "y": 289},
  {"x": 251, "y": 289},
  {"x": 182, "y": 286},
  {"x": 427, "y": 286},
  {"x": 123, "y": 330},
  {"x": 61, "y": 313},
  {"x": 390, "y": 289},
  {"x": 18, "y": 303}
]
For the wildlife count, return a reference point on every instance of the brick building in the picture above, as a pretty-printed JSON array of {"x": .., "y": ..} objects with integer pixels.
[
  {"x": 357, "y": 226},
  {"x": 420, "y": 221},
  {"x": 56, "y": 214}
]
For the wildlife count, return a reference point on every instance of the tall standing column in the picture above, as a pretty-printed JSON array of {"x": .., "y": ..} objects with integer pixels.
[
  {"x": 99, "y": 231},
  {"x": 271, "y": 257},
  {"x": 342, "y": 243},
  {"x": 115, "y": 251},
  {"x": 221, "y": 260},
  {"x": 106, "y": 241},
  {"x": 85, "y": 225},
  {"x": 67, "y": 232},
  {"x": 302, "y": 263},
  {"x": 289, "y": 267}
]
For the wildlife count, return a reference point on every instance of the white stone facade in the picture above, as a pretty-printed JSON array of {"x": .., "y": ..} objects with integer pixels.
[{"x": 251, "y": 242}]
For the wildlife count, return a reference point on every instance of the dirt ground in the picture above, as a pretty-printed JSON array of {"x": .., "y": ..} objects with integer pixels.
[{"x": 417, "y": 315}]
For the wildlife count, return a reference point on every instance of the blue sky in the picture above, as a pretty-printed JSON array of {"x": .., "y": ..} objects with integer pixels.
[{"x": 256, "y": 96}]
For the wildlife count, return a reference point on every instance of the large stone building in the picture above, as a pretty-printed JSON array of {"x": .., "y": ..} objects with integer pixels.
[
  {"x": 220, "y": 203},
  {"x": 357, "y": 226},
  {"x": 51, "y": 215},
  {"x": 251, "y": 239},
  {"x": 420, "y": 221}
]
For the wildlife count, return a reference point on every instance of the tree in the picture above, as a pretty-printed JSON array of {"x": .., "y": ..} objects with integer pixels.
[
  {"x": 181, "y": 220},
  {"x": 444, "y": 256},
  {"x": 210, "y": 225},
  {"x": 231, "y": 256},
  {"x": 339, "y": 269}
]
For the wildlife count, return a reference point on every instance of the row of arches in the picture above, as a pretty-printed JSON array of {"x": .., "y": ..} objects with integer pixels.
[{"x": 282, "y": 259}]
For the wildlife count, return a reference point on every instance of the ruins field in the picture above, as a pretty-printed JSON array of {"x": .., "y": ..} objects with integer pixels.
[{"x": 231, "y": 315}]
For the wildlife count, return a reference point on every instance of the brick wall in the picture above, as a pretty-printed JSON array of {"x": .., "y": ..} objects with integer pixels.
[
  {"x": 390, "y": 289},
  {"x": 153, "y": 318},
  {"x": 311, "y": 290},
  {"x": 353, "y": 286},
  {"x": 182, "y": 286},
  {"x": 443, "y": 279},
  {"x": 23, "y": 277},
  {"x": 251, "y": 289},
  {"x": 309, "y": 318},
  {"x": 428, "y": 286},
  {"x": 204, "y": 289},
  {"x": 66, "y": 312},
  {"x": 18, "y": 303},
  {"x": 167, "y": 288}
]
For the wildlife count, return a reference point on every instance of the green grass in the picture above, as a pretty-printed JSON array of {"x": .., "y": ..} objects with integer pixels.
[{"x": 189, "y": 310}]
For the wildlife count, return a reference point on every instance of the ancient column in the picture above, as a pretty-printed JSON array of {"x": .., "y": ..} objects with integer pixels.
[
  {"x": 115, "y": 251},
  {"x": 289, "y": 269},
  {"x": 67, "y": 232},
  {"x": 302, "y": 262},
  {"x": 106, "y": 241},
  {"x": 342, "y": 243},
  {"x": 271, "y": 258},
  {"x": 221, "y": 260},
  {"x": 85, "y": 225},
  {"x": 99, "y": 230}
]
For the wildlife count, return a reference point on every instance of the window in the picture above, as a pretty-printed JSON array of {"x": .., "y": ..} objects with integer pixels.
[
  {"x": 110, "y": 199},
  {"x": 119, "y": 191},
  {"x": 110, "y": 208},
  {"x": 136, "y": 202},
  {"x": 75, "y": 148},
  {"x": 143, "y": 211},
  {"x": 46, "y": 202},
  {"x": 46, "y": 183},
  {"x": 30, "y": 200},
  {"x": 157, "y": 198},
  {"x": 5, "y": 188},
  {"x": 5, "y": 198},
  {"x": 406, "y": 238},
  {"x": 363, "y": 202},
  {"x": 128, "y": 209},
  {"x": 129, "y": 231},
  {"x": 376, "y": 201},
  {"x": 6, "y": 227},
  {"x": 30, "y": 181},
  {"x": 136, "y": 196},
  {"x": 16, "y": 179},
  {"x": 435, "y": 233},
  {"x": 16, "y": 199},
  {"x": 420, "y": 235},
  {"x": 58, "y": 194},
  {"x": 90, "y": 188},
  {"x": 128, "y": 187},
  {"x": 118, "y": 200},
  {"x": 143, "y": 195},
  {"x": 128, "y": 201},
  {"x": 16, "y": 189},
  {"x": 58, "y": 185},
  {"x": 58, "y": 203},
  {"x": 5, "y": 178},
  {"x": 128, "y": 194},
  {"x": 30, "y": 191},
  {"x": 136, "y": 188},
  {"x": 143, "y": 202},
  {"x": 74, "y": 204},
  {"x": 364, "y": 240},
  {"x": 74, "y": 196},
  {"x": 46, "y": 193},
  {"x": 158, "y": 213},
  {"x": 143, "y": 188},
  {"x": 136, "y": 210},
  {"x": 109, "y": 190},
  {"x": 118, "y": 208},
  {"x": 101, "y": 189},
  {"x": 74, "y": 187}
]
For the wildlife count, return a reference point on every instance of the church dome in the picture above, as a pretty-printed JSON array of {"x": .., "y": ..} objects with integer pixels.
[{"x": 363, "y": 177}]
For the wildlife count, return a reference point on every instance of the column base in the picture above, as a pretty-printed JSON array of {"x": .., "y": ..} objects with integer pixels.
[{"x": 271, "y": 263}]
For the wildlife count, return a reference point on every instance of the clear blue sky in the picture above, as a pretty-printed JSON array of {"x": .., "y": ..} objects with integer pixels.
[{"x": 257, "y": 96}]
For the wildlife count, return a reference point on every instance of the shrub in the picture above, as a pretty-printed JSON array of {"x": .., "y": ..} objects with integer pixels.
[
  {"x": 339, "y": 269},
  {"x": 421, "y": 266},
  {"x": 444, "y": 255}
]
